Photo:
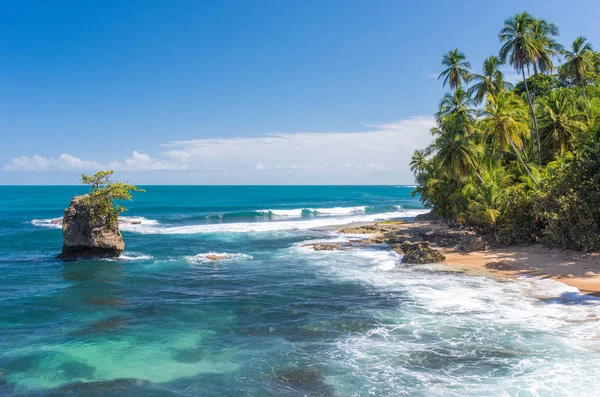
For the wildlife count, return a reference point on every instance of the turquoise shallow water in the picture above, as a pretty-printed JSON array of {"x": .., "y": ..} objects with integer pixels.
[{"x": 276, "y": 318}]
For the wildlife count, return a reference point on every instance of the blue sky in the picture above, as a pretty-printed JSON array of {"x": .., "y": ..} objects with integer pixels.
[{"x": 236, "y": 92}]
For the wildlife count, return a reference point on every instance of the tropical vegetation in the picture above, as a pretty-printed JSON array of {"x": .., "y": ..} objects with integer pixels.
[
  {"x": 105, "y": 194},
  {"x": 520, "y": 162}
]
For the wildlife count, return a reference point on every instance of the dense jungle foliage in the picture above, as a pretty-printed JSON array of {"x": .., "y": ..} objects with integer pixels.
[{"x": 521, "y": 162}]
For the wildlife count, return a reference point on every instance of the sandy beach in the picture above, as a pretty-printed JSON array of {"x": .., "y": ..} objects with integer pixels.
[{"x": 578, "y": 269}]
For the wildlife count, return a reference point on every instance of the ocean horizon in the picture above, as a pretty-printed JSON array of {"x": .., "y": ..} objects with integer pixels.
[{"x": 275, "y": 317}]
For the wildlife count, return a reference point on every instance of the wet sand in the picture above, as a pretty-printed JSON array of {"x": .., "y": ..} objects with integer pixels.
[{"x": 573, "y": 268}]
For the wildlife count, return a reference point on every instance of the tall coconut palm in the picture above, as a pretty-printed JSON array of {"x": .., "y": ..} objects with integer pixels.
[
  {"x": 546, "y": 48},
  {"x": 561, "y": 120},
  {"x": 579, "y": 62},
  {"x": 491, "y": 81},
  {"x": 457, "y": 69},
  {"x": 455, "y": 151},
  {"x": 457, "y": 103},
  {"x": 504, "y": 122},
  {"x": 520, "y": 49}
]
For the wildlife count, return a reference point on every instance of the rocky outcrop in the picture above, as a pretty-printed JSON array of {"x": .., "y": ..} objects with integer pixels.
[
  {"x": 428, "y": 216},
  {"x": 418, "y": 253},
  {"x": 366, "y": 229},
  {"x": 328, "y": 246},
  {"x": 86, "y": 237},
  {"x": 445, "y": 238},
  {"x": 377, "y": 227},
  {"x": 470, "y": 243}
]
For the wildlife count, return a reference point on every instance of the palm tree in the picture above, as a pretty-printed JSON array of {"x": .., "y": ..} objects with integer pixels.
[
  {"x": 418, "y": 162},
  {"x": 520, "y": 49},
  {"x": 491, "y": 81},
  {"x": 504, "y": 122},
  {"x": 455, "y": 151},
  {"x": 457, "y": 69},
  {"x": 561, "y": 120},
  {"x": 546, "y": 48},
  {"x": 487, "y": 198},
  {"x": 457, "y": 103},
  {"x": 579, "y": 62}
]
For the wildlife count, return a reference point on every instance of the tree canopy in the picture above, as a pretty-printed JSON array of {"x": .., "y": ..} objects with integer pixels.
[{"x": 521, "y": 162}]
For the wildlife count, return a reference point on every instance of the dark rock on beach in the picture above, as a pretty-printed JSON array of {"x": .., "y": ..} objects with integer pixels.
[
  {"x": 470, "y": 243},
  {"x": 86, "y": 237},
  {"x": 418, "y": 253}
]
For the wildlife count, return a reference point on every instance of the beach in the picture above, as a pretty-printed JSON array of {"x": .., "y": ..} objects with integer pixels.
[{"x": 574, "y": 268}]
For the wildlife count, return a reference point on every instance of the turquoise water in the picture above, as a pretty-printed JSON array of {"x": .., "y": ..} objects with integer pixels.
[{"x": 275, "y": 318}]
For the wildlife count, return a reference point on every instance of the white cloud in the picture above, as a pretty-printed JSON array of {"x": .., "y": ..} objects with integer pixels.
[
  {"x": 143, "y": 162},
  {"x": 379, "y": 154},
  {"x": 64, "y": 162},
  {"x": 387, "y": 145}
]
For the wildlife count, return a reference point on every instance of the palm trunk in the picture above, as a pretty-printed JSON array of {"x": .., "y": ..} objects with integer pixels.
[
  {"x": 521, "y": 159},
  {"x": 535, "y": 127},
  {"x": 479, "y": 177},
  {"x": 583, "y": 90},
  {"x": 535, "y": 76}
]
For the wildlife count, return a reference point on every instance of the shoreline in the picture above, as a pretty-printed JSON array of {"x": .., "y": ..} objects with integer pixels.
[{"x": 573, "y": 268}]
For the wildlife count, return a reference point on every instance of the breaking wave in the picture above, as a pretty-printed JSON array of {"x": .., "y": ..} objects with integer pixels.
[{"x": 244, "y": 227}]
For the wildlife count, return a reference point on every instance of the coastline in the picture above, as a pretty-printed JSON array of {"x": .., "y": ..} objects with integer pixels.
[{"x": 576, "y": 269}]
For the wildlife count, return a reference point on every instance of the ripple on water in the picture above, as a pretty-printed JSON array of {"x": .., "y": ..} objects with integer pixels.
[{"x": 293, "y": 321}]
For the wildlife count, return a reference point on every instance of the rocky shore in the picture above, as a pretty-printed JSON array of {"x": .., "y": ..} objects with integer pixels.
[{"x": 432, "y": 241}]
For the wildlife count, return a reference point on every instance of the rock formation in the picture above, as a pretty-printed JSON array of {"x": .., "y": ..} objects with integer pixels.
[
  {"x": 86, "y": 237},
  {"x": 328, "y": 246},
  {"x": 470, "y": 243},
  {"x": 417, "y": 253}
]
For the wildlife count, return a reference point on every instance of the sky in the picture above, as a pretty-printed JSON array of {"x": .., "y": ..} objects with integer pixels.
[{"x": 237, "y": 92}]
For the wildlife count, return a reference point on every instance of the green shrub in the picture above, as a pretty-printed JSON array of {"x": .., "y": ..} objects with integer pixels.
[
  {"x": 102, "y": 198},
  {"x": 568, "y": 203}
]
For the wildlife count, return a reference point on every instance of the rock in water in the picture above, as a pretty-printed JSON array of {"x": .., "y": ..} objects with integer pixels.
[
  {"x": 328, "y": 246},
  {"x": 84, "y": 237}
]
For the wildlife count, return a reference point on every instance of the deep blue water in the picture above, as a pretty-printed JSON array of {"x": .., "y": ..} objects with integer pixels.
[{"x": 275, "y": 318}]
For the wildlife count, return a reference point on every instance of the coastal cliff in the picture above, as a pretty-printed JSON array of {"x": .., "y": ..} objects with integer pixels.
[{"x": 86, "y": 235}]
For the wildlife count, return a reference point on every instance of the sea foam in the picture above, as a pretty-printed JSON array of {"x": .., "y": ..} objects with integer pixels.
[
  {"x": 47, "y": 223},
  {"x": 244, "y": 227},
  {"x": 124, "y": 222},
  {"x": 543, "y": 334}
]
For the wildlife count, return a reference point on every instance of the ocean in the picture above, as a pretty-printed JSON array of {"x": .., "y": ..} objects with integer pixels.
[{"x": 275, "y": 318}]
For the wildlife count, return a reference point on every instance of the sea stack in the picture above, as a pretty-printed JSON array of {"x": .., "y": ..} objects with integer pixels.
[{"x": 86, "y": 237}]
